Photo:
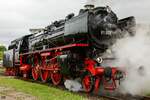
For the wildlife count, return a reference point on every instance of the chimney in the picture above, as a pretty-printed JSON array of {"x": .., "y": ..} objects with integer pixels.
[{"x": 89, "y": 6}]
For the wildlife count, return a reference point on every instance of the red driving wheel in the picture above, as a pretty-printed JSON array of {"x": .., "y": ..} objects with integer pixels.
[
  {"x": 35, "y": 73},
  {"x": 88, "y": 83},
  {"x": 56, "y": 78},
  {"x": 35, "y": 69},
  {"x": 44, "y": 75}
]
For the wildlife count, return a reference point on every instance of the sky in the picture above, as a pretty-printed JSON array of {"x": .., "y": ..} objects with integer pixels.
[{"x": 18, "y": 16}]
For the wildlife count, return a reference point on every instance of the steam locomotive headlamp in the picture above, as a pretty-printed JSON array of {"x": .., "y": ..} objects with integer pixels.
[{"x": 99, "y": 60}]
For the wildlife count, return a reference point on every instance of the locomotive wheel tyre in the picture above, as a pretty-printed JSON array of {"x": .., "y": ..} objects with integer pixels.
[
  {"x": 88, "y": 82},
  {"x": 35, "y": 73},
  {"x": 56, "y": 78},
  {"x": 44, "y": 75}
]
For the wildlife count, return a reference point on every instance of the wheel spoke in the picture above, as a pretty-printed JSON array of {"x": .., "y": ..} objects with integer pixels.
[
  {"x": 56, "y": 78},
  {"x": 44, "y": 75},
  {"x": 35, "y": 73}
]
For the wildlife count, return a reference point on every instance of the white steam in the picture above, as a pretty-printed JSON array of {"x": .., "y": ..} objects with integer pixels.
[
  {"x": 73, "y": 85},
  {"x": 133, "y": 55}
]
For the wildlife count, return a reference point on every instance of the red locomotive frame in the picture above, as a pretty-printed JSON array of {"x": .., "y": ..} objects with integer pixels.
[{"x": 52, "y": 69}]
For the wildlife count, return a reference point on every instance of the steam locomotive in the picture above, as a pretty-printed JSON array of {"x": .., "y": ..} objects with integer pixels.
[{"x": 71, "y": 48}]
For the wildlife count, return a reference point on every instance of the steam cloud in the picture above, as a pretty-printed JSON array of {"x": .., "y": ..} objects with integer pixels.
[
  {"x": 133, "y": 56},
  {"x": 73, "y": 85}
]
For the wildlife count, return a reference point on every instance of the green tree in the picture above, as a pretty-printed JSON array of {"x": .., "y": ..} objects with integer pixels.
[{"x": 2, "y": 49}]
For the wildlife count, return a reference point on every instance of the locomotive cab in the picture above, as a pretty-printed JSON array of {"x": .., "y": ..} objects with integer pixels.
[{"x": 16, "y": 48}]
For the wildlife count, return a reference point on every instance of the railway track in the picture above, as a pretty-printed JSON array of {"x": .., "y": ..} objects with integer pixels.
[
  {"x": 146, "y": 98},
  {"x": 128, "y": 98},
  {"x": 111, "y": 98}
]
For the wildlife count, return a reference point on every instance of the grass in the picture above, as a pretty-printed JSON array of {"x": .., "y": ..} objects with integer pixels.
[
  {"x": 40, "y": 91},
  {"x": 1, "y": 55},
  {"x": 2, "y": 69}
]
